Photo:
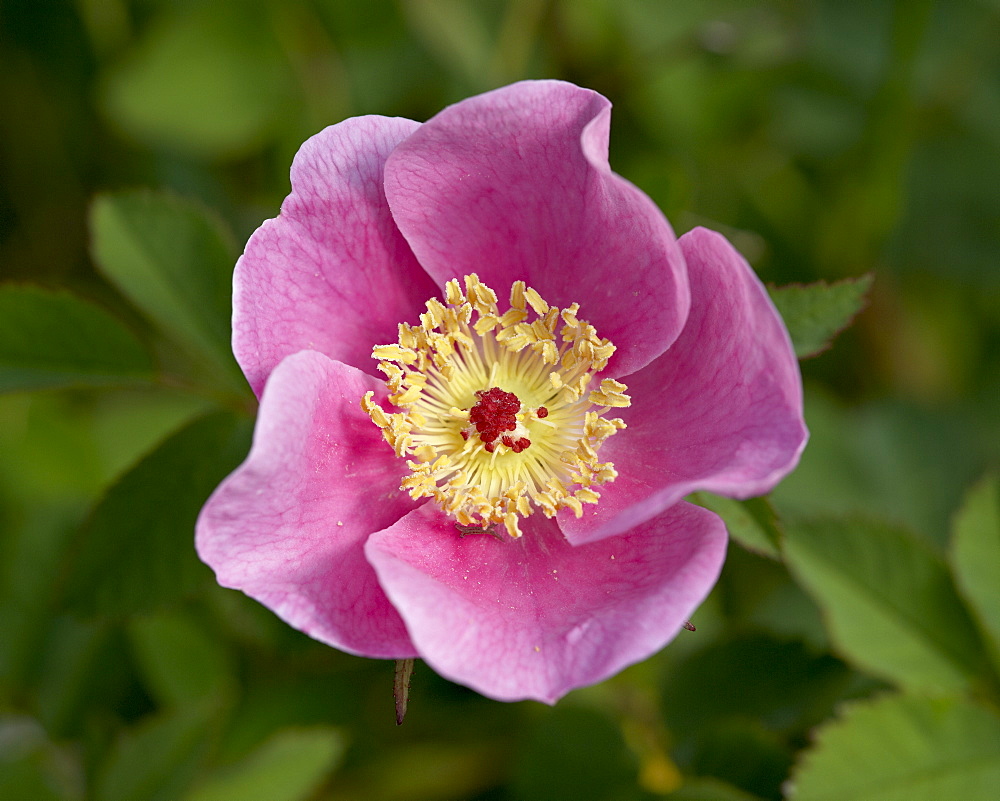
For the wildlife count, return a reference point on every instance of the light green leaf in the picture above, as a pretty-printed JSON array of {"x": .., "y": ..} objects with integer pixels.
[
  {"x": 455, "y": 32},
  {"x": 816, "y": 313},
  {"x": 181, "y": 662},
  {"x": 889, "y": 603},
  {"x": 136, "y": 553},
  {"x": 975, "y": 555},
  {"x": 208, "y": 79},
  {"x": 157, "y": 759},
  {"x": 290, "y": 766},
  {"x": 59, "y": 449},
  {"x": 175, "y": 263},
  {"x": 902, "y": 748},
  {"x": 53, "y": 339},
  {"x": 751, "y": 523}
]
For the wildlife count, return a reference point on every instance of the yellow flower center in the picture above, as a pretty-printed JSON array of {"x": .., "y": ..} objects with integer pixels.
[{"x": 497, "y": 419}]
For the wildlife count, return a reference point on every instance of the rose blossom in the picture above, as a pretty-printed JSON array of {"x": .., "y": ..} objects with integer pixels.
[{"x": 494, "y": 486}]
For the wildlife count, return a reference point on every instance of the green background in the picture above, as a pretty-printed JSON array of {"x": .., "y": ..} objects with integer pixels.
[{"x": 851, "y": 649}]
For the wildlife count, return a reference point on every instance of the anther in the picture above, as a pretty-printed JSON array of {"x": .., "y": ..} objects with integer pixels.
[{"x": 446, "y": 375}]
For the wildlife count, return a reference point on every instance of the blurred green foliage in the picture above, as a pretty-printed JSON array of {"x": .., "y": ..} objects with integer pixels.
[{"x": 827, "y": 139}]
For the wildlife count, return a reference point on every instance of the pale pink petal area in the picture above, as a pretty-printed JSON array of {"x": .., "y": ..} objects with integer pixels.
[
  {"x": 536, "y": 617},
  {"x": 332, "y": 273},
  {"x": 289, "y": 525},
  {"x": 720, "y": 411},
  {"x": 515, "y": 184}
]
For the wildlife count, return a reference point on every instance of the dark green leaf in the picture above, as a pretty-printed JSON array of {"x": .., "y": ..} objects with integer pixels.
[
  {"x": 181, "y": 661},
  {"x": 288, "y": 767},
  {"x": 734, "y": 706},
  {"x": 79, "y": 672},
  {"x": 871, "y": 460},
  {"x": 751, "y": 523},
  {"x": 760, "y": 594},
  {"x": 157, "y": 760},
  {"x": 816, "y": 313},
  {"x": 174, "y": 262},
  {"x": 289, "y": 700},
  {"x": 573, "y": 753},
  {"x": 32, "y": 768},
  {"x": 743, "y": 753},
  {"x": 432, "y": 769},
  {"x": 902, "y": 748},
  {"x": 890, "y": 603},
  {"x": 702, "y": 789},
  {"x": 136, "y": 553},
  {"x": 975, "y": 555},
  {"x": 53, "y": 339},
  {"x": 29, "y": 556},
  {"x": 777, "y": 684}
]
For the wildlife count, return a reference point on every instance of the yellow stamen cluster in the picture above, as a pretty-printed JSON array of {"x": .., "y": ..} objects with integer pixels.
[{"x": 545, "y": 356}]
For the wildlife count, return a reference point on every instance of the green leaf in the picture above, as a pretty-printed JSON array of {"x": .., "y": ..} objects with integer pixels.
[
  {"x": 53, "y": 339},
  {"x": 175, "y": 263},
  {"x": 136, "y": 553},
  {"x": 290, "y": 766},
  {"x": 753, "y": 523},
  {"x": 436, "y": 768},
  {"x": 889, "y": 602},
  {"x": 975, "y": 555},
  {"x": 33, "y": 768},
  {"x": 742, "y": 752},
  {"x": 779, "y": 685},
  {"x": 816, "y": 313},
  {"x": 208, "y": 79},
  {"x": 704, "y": 789},
  {"x": 455, "y": 32},
  {"x": 903, "y": 748},
  {"x": 30, "y": 550},
  {"x": 158, "y": 759},
  {"x": 573, "y": 753},
  {"x": 180, "y": 660},
  {"x": 288, "y": 699},
  {"x": 734, "y": 706},
  {"x": 60, "y": 448},
  {"x": 80, "y": 670},
  {"x": 871, "y": 460}
]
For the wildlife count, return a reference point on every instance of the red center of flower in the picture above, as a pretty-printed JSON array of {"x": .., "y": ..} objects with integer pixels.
[{"x": 494, "y": 415}]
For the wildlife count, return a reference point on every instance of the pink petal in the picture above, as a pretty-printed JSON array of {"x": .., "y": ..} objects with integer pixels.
[
  {"x": 537, "y": 617},
  {"x": 288, "y": 526},
  {"x": 515, "y": 184},
  {"x": 720, "y": 411},
  {"x": 331, "y": 273}
]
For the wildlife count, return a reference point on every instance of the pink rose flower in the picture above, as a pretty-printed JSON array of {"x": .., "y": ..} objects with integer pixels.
[{"x": 499, "y": 490}]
